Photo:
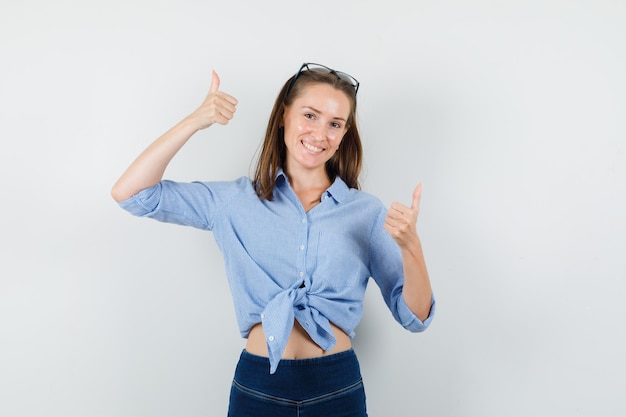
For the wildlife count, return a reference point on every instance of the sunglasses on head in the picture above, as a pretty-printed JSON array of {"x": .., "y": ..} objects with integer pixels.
[{"x": 310, "y": 66}]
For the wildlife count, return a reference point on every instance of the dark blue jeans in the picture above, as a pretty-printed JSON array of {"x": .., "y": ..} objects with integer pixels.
[{"x": 328, "y": 386}]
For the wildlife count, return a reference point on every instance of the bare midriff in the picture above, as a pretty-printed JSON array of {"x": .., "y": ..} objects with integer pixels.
[{"x": 299, "y": 346}]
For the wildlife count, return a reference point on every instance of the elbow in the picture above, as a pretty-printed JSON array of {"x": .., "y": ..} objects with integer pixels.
[
  {"x": 423, "y": 316},
  {"x": 117, "y": 194},
  {"x": 423, "y": 309}
]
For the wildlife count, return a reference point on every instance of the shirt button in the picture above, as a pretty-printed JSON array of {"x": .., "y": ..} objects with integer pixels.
[
  {"x": 301, "y": 247},
  {"x": 271, "y": 338},
  {"x": 301, "y": 273},
  {"x": 304, "y": 220},
  {"x": 262, "y": 316}
]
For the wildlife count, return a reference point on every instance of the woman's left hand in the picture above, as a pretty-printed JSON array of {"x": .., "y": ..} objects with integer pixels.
[
  {"x": 401, "y": 220},
  {"x": 401, "y": 224}
]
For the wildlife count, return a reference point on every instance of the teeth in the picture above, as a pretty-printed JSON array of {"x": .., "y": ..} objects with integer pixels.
[{"x": 311, "y": 147}]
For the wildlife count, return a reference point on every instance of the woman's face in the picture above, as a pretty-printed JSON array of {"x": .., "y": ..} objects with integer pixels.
[{"x": 314, "y": 125}]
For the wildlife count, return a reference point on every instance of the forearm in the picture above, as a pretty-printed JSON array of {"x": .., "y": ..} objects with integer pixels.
[
  {"x": 417, "y": 291},
  {"x": 150, "y": 165},
  {"x": 148, "y": 168}
]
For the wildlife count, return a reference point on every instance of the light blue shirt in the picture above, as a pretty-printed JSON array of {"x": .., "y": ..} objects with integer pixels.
[{"x": 284, "y": 263}]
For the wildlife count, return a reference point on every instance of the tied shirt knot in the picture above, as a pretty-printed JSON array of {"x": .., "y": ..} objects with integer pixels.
[{"x": 278, "y": 320}]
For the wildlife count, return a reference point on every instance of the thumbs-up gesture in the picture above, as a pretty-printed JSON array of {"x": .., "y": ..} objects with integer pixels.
[
  {"x": 217, "y": 107},
  {"x": 401, "y": 220}
]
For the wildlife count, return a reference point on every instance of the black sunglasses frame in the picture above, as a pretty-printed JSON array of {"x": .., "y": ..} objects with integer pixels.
[{"x": 311, "y": 66}]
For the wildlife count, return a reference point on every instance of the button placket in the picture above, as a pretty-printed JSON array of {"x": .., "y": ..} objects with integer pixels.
[{"x": 302, "y": 246}]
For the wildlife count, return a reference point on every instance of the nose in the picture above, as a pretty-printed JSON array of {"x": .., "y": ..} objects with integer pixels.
[{"x": 318, "y": 131}]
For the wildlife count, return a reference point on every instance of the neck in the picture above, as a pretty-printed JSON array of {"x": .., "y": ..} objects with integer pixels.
[{"x": 303, "y": 179}]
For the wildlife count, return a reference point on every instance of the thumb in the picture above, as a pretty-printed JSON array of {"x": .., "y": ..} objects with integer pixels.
[
  {"x": 417, "y": 195},
  {"x": 215, "y": 82}
]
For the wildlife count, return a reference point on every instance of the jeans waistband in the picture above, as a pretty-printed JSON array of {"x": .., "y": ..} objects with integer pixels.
[{"x": 299, "y": 379}]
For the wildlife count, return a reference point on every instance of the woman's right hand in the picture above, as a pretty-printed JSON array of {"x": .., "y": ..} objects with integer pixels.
[
  {"x": 217, "y": 107},
  {"x": 148, "y": 168}
]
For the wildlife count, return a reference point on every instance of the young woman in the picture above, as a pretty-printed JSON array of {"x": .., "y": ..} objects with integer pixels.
[{"x": 300, "y": 242}]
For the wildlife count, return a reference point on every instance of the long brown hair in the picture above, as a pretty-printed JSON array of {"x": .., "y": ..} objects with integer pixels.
[{"x": 345, "y": 163}]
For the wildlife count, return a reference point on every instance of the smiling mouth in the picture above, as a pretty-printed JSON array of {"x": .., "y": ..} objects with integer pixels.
[{"x": 311, "y": 147}]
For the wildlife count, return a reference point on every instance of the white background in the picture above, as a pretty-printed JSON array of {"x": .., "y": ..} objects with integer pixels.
[{"x": 511, "y": 113}]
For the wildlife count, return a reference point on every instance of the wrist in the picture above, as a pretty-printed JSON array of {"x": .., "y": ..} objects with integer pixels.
[
  {"x": 195, "y": 122},
  {"x": 411, "y": 246}
]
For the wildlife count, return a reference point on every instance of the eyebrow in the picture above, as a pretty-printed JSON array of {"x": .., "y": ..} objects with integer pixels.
[{"x": 317, "y": 111}]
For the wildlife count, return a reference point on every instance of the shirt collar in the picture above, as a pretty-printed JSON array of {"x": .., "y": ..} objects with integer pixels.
[{"x": 337, "y": 190}]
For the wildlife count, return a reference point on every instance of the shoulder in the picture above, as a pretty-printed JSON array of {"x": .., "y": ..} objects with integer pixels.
[
  {"x": 352, "y": 196},
  {"x": 365, "y": 196},
  {"x": 365, "y": 200},
  {"x": 241, "y": 185}
]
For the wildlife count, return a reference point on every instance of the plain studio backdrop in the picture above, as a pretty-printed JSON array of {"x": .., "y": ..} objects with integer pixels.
[{"x": 510, "y": 112}]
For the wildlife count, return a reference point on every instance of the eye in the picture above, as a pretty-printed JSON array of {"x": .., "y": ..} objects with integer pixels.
[
  {"x": 309, "y": 116},
  {"x": 336, "y": 125}
]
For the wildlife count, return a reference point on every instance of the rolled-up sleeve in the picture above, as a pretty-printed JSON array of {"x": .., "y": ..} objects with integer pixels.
[
  {"x": 387, "y": 271},
  {"x": 409, "y": 320},
  {"x": 190, "y": 204}
]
